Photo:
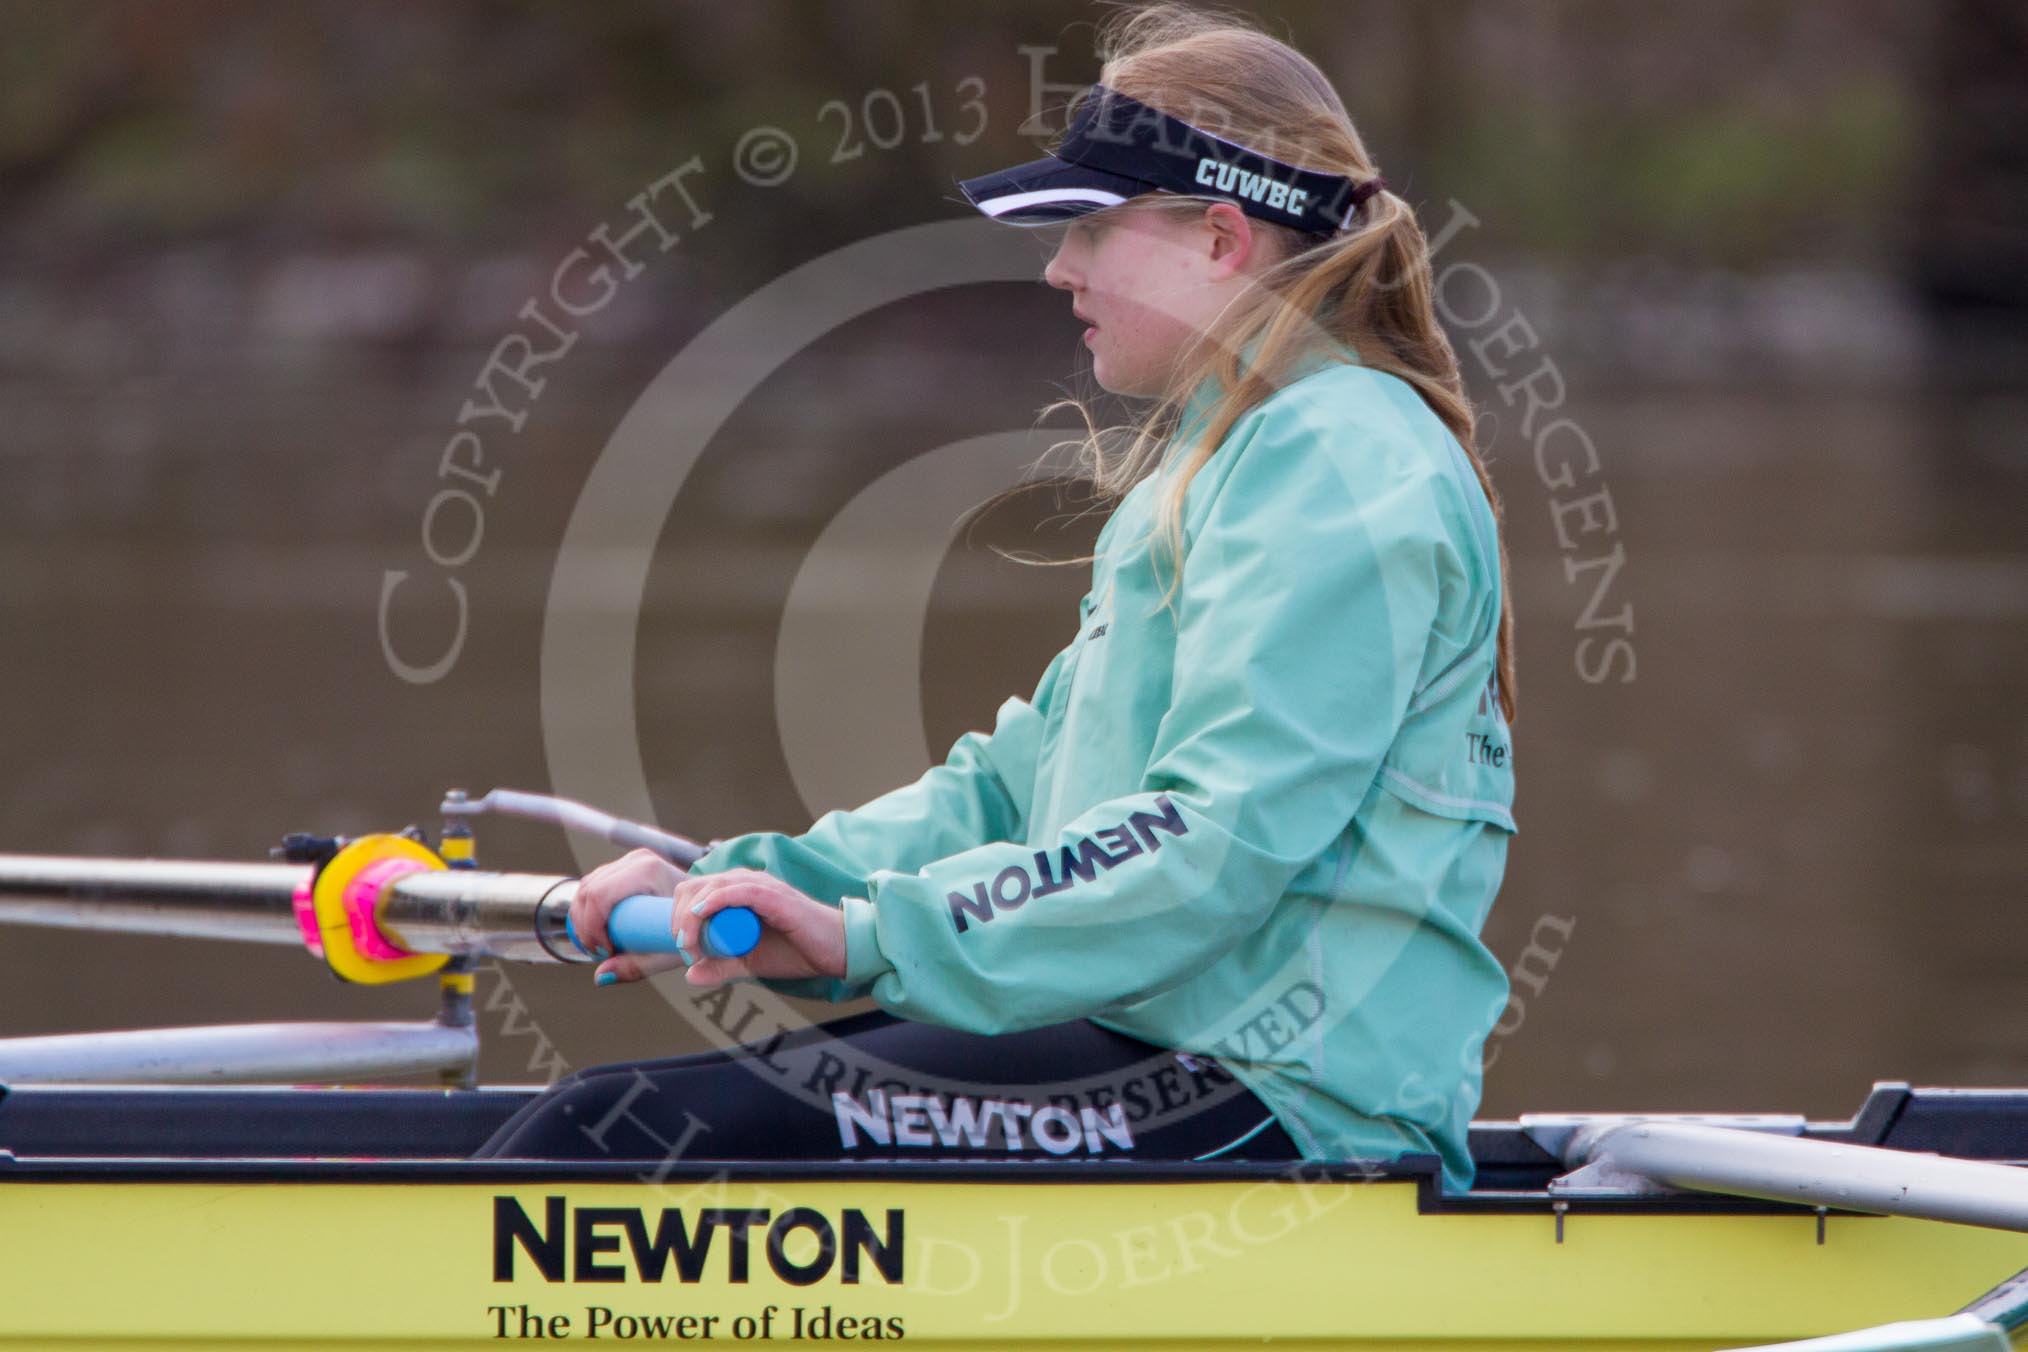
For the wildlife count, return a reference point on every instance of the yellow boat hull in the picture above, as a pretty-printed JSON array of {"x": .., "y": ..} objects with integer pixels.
[{"x": 941, "y": 1262}]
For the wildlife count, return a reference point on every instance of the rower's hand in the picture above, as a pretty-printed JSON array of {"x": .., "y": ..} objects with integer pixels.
[
  {"x": 642, "y": 871},
  {"x": 800, "y": 936}
]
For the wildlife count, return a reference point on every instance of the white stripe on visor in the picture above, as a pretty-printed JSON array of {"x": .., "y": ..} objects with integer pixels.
[{"x": 1000, "y": 206}]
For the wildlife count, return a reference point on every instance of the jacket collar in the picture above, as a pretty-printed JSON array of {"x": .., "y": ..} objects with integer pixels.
[{"x": 1197, "y": 408}]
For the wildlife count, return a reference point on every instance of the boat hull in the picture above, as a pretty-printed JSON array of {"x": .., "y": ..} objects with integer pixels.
[{"x": 300, "y": 1254}]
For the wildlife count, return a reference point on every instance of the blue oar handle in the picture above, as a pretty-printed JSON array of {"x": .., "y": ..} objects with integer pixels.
[{"x": 641, "y": 924}]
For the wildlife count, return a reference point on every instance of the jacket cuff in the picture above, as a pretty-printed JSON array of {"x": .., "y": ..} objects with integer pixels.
[{"x": 864, "y": 962}]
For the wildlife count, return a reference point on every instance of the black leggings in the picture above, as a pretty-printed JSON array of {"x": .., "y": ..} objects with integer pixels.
[{"x": 877, "y": 1087}]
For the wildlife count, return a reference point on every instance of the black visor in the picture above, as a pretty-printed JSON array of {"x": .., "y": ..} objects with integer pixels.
[{"x": 1119, "y": 148}]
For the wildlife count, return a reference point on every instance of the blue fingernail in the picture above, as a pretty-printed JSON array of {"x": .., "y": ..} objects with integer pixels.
[
  {"x": 698, "y": 909},
  {"x": 606, "y": 979},
  {"x": 601, "y": 951}
]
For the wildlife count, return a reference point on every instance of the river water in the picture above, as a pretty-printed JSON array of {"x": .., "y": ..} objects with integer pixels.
[{"x": 1787, "y": 858}]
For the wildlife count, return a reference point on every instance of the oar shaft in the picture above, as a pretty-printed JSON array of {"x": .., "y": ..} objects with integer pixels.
[
  {"x": 252, "y": 902},
  {"x": 253, "y": 1053},
  {"x": 520, "y": 917},
  {"x": 516, "y": 916},
  {"x": 1814, "y": 1173}
]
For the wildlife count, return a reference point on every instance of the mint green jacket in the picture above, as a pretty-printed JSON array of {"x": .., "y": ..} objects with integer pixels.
[{"x": 1262, "y": 823}]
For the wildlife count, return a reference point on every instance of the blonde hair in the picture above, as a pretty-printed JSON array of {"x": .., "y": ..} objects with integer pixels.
[{"x": 1367, "y": 288}]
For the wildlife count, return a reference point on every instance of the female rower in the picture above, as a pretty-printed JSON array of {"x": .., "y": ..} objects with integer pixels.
[{"x": 1215, "y": 890}]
